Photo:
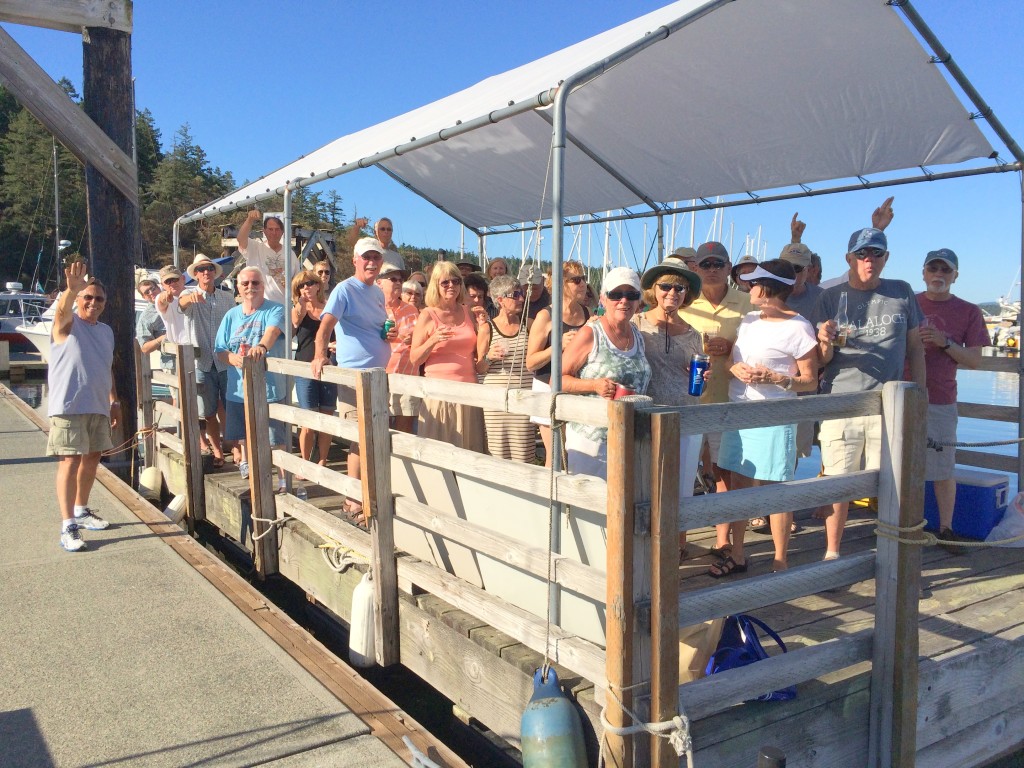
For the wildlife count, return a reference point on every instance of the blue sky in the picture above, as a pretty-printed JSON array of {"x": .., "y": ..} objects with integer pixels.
[{"x": 260, "y": 87}]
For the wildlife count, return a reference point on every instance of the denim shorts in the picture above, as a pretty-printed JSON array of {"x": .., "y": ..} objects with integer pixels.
[
  {"x": 234, "y": 413},
  {"x": 212, "y": 388},
  {"x": 314, "y": 395}
]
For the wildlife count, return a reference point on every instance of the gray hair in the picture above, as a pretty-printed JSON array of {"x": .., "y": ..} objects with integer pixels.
[
  {"x": 412, "y": 285},
  {"x": 502, "y": 285},
  {"x": 253, "y": 270}
]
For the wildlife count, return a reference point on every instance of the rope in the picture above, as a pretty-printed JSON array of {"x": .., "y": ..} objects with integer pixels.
[
  {"x": 938, "y": 446},
  {"x": 927, "y": 539},
  {"x": 272, "y": 523},
  {"x": 676, "y": 730},
  {"x": 338, "y": 558}
]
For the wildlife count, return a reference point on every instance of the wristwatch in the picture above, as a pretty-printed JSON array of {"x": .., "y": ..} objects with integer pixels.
[{"x": 948, "y": 345}]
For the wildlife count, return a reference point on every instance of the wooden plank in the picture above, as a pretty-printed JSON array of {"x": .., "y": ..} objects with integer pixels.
[
  {"x": 328, "y": 478},
  {"x": 771, "y": 589},
  {"x": 165, "y": 378},
  {"x": 1000, "y": 364},
  {"x": 46, "y": 100},
  {"x": 620, "y": 614},
  {"x": 664, "y": 581},
  {"x": 320, "y": 422},
  {"x": 166, "y": 409},
  {"x": 571, "y": 574},
  {"x": 977, "y": 746},
  {"x": 578, "y": 408},
  {"x": 372, "y": 401},
  {"x": 699, "y": 419},
  {"x": 167, "y": 440},
  {"x": 1010, "y": 413},
  {"x": 717, "y": 693},
  {"x": 575, "y": 490},
  {"x": 713, "y": 508},
  {"x": 986, "y": 460},
  {"x": 326, "y": 525},
  {"x": 893, "y": 708},
  {"x": 257, "y": 448},
  {"x": 331, "y": 373},
  {"x": 69, "y": 15},
  {"x": 582, "y": 657},
  {"x": 192, "y": 455}
]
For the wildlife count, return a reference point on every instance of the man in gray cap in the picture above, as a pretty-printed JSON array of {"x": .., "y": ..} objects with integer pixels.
[
  {"x": 882, "y": 317},
  {"x": 688, "y": 255},
  {"x": 804, "y": 295},
  {"x": 953, "y": 332}
]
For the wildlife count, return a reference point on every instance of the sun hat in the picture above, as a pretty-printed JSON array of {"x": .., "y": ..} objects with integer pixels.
[
  {"x": 620, "y": 276},
  {"x": 677, "y": 267},
  {"x": 366, "y": 245},
  {"x": 867, "y": 238},
  {"x": 797, "y": 254},
  {"x": 472, "y": 266},
  {"x": 200, "y": 259},
  {"x": 943, "y": 254},
  {"x": 764, "y": 274}
]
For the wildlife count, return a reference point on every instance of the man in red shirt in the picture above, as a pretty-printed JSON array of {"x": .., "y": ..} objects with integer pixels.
[{"x": 953, "y": 333}]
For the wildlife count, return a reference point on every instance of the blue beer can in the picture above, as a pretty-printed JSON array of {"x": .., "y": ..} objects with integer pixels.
[{"x": 698, "y": 364}]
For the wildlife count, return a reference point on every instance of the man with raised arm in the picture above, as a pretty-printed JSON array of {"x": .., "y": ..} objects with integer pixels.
[
  {"x": 953, "y": 332},
  {"x": 882, "y": 316},
  {"x": 267, "y": 255},
  {"x": 83, "y": 404}
]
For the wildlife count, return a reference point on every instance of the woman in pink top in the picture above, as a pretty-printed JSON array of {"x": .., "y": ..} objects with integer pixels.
[{"x": 446, "y": 344}]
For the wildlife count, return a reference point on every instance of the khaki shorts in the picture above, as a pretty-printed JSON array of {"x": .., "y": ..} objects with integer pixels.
[
  {"x": 940, "y": 465},
  {"x": 849, "y": 445},
  {"x": 404, "y": 405},
  {"x": 78, "y": 434},
  {"x": 347, "y": 403}
]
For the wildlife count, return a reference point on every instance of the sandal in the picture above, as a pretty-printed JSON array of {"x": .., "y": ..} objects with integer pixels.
[
  {"x": 682, "y": 553},
  {"x": 795, "y": 528},
  {"x": 218, "y": 462},
  {"x": 759, "y": 525},
  {"x": 354, "y": 512},
  {"x": 720, "y": 552},
  {"x": 727, "y": 567}
]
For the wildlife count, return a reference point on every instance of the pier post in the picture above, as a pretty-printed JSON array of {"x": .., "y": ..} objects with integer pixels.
[
  {"x": 628, "y": 602},
  {"x": 195, "y": 491},
  {"x": 261, "y": 465},
  {"x": 147, "y": 415},
  {"x": 892, "y": 731},
  {"x": 372, "y": 400},
  {"x": 665, "y": 580}
]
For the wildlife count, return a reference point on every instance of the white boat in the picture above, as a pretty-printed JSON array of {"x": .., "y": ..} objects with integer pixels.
[
  {"x": 18, "y": 307},
  {"x": 37, "y": 331}
]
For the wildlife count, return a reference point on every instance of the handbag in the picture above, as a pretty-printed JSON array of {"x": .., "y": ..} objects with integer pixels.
[{"x": 740, "y": 646}]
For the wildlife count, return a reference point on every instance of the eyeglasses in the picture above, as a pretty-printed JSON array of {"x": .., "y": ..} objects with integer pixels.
[
  {"x": 942, "y": 268},
  {"x": 251, "y": 282},
  {"x": 456, "y": 281},
  {"x": 386, "y": 229},
  {"x": 205, "y": 268},
  {"x": 618, "y": 295},
  {"x": 514, "y": 295},
  {"x": 666, "y": 287},
  {"x": 575, "y": 279},
  {"x": 712, "y": 264},
  {"x": 87, "y": 297},
  {"x": 307, "y": 284},
  {"x": 411, "y": 292},
  {"x": 323, "y": 272},
  {"x": 149, "y": 290},
  {"x": 171, "y": 280},
  {"x": 371, "y": 256},
  {"x": 869, "y": 253}
]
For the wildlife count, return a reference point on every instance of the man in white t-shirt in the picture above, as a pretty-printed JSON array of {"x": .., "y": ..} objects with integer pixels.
[
  {"x": 268, "y": 254},
  {"x": 166, "y": 302}
]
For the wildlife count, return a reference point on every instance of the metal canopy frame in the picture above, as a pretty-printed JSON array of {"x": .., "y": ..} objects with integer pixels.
[{"x": 557, "y": 98}]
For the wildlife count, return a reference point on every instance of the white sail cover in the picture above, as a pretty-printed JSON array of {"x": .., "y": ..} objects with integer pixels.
[{"x": 752, "y": 96}]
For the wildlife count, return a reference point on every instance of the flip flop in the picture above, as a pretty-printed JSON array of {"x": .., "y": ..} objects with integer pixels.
[
  {"x": 218, "y": 462},
  {"x": 720, "y": 552},
  {"x": 727, "y": 567},
  {"x": 759, "y": 524}
]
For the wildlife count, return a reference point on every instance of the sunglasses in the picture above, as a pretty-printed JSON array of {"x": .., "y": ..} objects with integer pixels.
[
  {"x": 869, "y": 253},
  {"x": 666, "y": 287},
  {"x": 251, "y": 282},
  {"x": 712, "y": 264},
  {"x": 309, "y": 284},
  {"x": 393, "y": 278},
  {"x": 371, "y": 256},
  {"x": 514, "y": 295},
  {"x": 933, "y": 267},
  {"x": 323, "y": 272},
  {"x": 171, "y": 280},
  {"x": 87, "y": 297},
  {"x": 386, "y": 229},
  {"x": 575, "y": 279},
  {"x": 618, "y": 295},
  {"x": 456, "y": 281},
  {"x": 207, "y": 268},
  {"x": 151, "y": 289}
]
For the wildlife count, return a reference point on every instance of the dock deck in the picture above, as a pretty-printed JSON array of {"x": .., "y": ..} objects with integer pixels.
[{"x": 145, "y": 649}]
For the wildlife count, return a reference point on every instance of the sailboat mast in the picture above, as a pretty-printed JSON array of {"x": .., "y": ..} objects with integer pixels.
[{"x": 56, "y": 211}]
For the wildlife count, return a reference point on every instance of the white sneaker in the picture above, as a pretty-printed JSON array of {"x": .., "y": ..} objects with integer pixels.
[
  {"x": 91, "y": 521},
  {"x": 71, "y": 539},
  {"x": 243, "y": 470}
]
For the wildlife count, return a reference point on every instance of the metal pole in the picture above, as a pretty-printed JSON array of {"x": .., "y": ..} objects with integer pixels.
[
  {"x": 661, "y": 239},
  {"x": 1020, "y": 370},
  {"x": 56, "y": 215},
  {"x": 176, "y": 239},
  {"x": 287, "y": 271}
]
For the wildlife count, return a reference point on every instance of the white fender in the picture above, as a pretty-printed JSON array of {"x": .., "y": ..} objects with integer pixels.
[
  {"x": 360, "y": 639},
  {"x": 150, "y": 483},
  {"x": 176, "y": 509}
]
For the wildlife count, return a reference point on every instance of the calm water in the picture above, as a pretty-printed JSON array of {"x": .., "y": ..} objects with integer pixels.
[{"x": 974, "y": 387}]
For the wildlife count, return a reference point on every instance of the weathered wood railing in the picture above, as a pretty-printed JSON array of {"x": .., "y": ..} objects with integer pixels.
[{"x": 999, "y": 413}]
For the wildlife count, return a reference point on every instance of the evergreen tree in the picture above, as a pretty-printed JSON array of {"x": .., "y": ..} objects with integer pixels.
[{"x": 147, "y": 148}]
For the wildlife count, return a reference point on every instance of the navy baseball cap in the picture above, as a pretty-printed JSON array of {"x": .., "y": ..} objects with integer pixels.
[
  {"x": 943, "y": 254},
  {"x": 867, "y": 238}
]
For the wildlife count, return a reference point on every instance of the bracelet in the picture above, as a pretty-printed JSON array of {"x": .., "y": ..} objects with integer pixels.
[
  {"x": 263, "y": 347},
  {"x": 115, "y": 402}
]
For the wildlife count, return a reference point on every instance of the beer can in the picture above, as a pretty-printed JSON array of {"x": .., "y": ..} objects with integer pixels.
[
  {"x": 621, "y": 391},
  {"x": 388, "y": 325},
  {"x": 698, "y": 365},
  {"x": 243, "y": 349}
]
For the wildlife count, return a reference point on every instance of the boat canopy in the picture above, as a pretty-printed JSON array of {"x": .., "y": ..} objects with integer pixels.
[{"x": 734, "y": 97}]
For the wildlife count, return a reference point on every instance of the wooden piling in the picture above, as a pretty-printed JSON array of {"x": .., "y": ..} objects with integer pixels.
[
  {"x": 261, "y": 466},
  {"x": 665, "y": 580},
  {"x": 5, "y": 357},
  {"x": 894, "y": 673},
  {"x": 185, "y": 361},
  {"x": 372, "y": 401},
  {"x": 147, "y": 409}
]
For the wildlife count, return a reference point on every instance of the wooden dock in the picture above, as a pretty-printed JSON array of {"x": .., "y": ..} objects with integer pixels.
[{"x": 146, "y": 649}]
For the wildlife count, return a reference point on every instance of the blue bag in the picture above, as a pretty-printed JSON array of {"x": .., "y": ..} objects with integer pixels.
[{"x": 741, "y": 646}]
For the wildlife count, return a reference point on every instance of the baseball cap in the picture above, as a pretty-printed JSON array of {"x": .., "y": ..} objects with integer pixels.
[
  {"x": 712, "y": 248},
  {"x": 530, "y": 274},
  {"x": 684, "y": 253},
  {"x": 169, "y": 271},
  {"x": 367, "y": 244},
  {"x": 867, "y": 238},
  {"x": 943, "y": 254},
  {"x": 620, "y": 276},
  {"x": 388, "y": 268},
  {"x": 797, "y": 254}
]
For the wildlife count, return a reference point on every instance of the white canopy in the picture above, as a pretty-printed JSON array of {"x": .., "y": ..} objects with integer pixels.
[{"x": 749, "y": 97}]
